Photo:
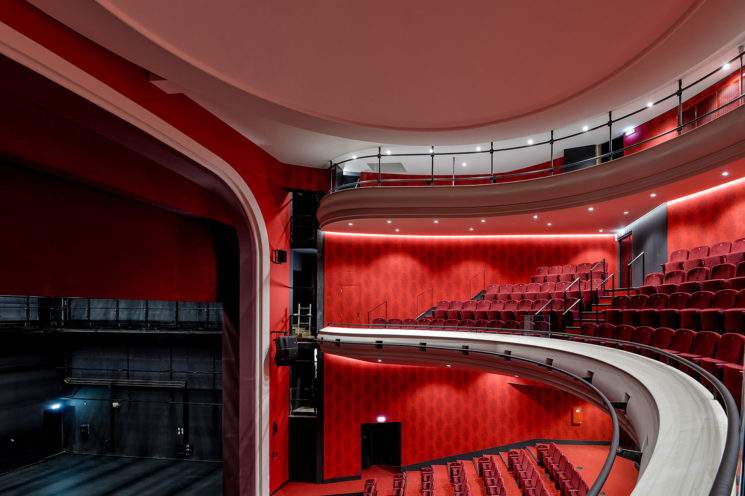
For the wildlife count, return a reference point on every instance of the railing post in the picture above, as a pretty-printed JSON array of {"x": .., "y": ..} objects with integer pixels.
[
  {"x": 741, "y": 49},
  {"x": 453, "y": 179},
  {"x": 610, "y": 140},
  {"x": 491, "y": 159},
  {"x": 379, "y": 167},
  {"x": 680, "y": 106},
  {"x": 332, "y": 174},
  {"x": 551, "y": 152},
  {"x": 432, "y": 164}
]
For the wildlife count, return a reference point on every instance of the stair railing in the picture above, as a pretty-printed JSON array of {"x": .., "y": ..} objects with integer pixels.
[
  {"x": 628, "y": 271},
  {"x": 576, "y": 281},
  {"x": 612, "y": 277}
]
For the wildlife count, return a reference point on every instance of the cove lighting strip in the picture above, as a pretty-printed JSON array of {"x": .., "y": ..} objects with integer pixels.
[
  {"x": 713, "y": 189},
  {"x": 470, "y": 236}
]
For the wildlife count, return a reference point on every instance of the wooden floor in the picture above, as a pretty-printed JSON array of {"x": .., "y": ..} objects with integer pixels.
[{"x": 97, "y": 475}]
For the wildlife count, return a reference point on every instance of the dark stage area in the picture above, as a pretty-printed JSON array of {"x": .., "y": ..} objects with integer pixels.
[{"x": 97, "y": 475}]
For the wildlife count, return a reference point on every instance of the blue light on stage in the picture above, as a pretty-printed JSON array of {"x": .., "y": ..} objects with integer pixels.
[{"x": 55, "y": 406}]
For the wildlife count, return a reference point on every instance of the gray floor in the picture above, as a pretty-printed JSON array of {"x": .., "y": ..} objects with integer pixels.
[{"x": 97, "y": 475}]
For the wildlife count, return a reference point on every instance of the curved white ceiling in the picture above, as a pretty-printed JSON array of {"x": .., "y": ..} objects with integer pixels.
[{"x": 311, "y": 80}]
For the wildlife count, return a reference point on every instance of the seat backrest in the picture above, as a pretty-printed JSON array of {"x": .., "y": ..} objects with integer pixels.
[
  {"x": 620, "y": 301},
  {"x": 662, "y": 337},
  {"x": 653, "y": 279},
  {"x": 470, "y": 305},
  {"x": 380, "y": 321},
  {"x": 588, "y": 329},
  {"x": 698, "y": 252},
  {"x": 657, "y": 300},
  {"x": 410, "y": 322},
  {"x": 723, "y": 271},
  {"x": 494, "y": 324},
  {"x": 705, "y": 343},
  {"x": 605, "y": 331},
  {"x": 541, "y": 270},
  {"x": 467, "y": 323},
  {"x": 518, "y": 288},
  {"x": 568, "y": 269},
  {"x": 456, "y": 305},
  {"x": 437, "y": 322},
  {"x": 533, "y": 287},
  {"x": 443, "y": 305},
  {"x": 561, "y": 285},
  {"x": 505, "y": 288},
  {"x": 740, "y": 269},
  {"x": 739, "y": 300},
  {"x": 637, "y": 301},
  {"x": 675, "y": 277},
  {"x": 721, "y": 248},
  {"x": 682, "y": 340},
  {"x": 394, "y": 322},
  {"x": 731, "y": 346},
  {"x": 724, "y": 298},
  {"x": 510, "y": 305},
  {"x": 583, "y": 267},
  {"x": 548, "y": 287},
  {"x": 539, "y": 303},
  {"x": 557, "y": 304},
  {"x": 497, "y": 305},
  {"x": 735, "y": 258},
  {"x": 738, "y": 245},
  {"x": 678, "y": 300},
  {"x": 623, "y": 332},
  {"x": 484, "y": 305},
  {"x": 524, "y": 305},
  {"x": 678, "y": 256},
  {"x": 700, "y": 299},
  {"x": 451, "y": 323},
  {"x": 555, "y": 269},
  {"x": 697, "y": 274}
]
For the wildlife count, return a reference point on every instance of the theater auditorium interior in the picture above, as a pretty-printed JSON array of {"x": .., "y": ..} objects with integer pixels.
[{"x": 383, "y": 248}]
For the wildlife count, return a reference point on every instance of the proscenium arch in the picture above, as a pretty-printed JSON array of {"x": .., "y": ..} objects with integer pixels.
[{"x": 252, "y": 466}]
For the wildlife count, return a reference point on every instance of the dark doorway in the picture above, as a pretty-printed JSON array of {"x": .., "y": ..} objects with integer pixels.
[
  {"x": 626, "y": 252},
  {"x": 381, "y": 444}
]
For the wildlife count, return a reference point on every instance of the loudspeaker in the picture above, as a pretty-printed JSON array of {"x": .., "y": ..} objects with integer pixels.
[
  {"x": 279, "y": 256},
  {"x": 286, "y": 352}
]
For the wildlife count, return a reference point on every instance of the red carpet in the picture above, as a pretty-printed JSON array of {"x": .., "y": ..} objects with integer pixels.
[
  {"x": 622, "y": 477},
  {"x": 384, "y": 476}
]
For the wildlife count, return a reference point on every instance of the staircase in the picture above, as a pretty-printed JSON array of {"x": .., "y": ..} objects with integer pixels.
[{"x": 596, "y": 312}]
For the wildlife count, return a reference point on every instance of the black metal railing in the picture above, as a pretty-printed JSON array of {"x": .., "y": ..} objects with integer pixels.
[
  {"x": 452, "y": 179},
  {"x": 629, "y": 267},
  {"x": 727, "y": 471}
]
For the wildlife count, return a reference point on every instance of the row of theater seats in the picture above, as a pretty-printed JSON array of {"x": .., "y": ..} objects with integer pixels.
[
  {"x": 493, "y": 483},
  {"x": 567, "y": 479},
  {"x": 525, "y": 472},
  {"x": 493, "y": 309},
  {"x": 458, "y": 478},
  {"x": 569, "y": 272},
  {"x": 427, "y": 487},
  {"x": 723, "y": 311},
  {"x": 722, "y": 276},
  {"x": 720, "y": 354},
  {"x": 370, "y": 488},
  {"x": 707, "y": 256},
  {"x": 545, "y": 290},
  {"x": 399, "y": 484}
]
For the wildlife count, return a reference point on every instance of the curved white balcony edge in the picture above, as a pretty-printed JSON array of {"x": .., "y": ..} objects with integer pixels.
[{"x": 678, "y": 423}]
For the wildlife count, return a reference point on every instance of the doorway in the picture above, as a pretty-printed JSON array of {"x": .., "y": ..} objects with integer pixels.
[
  {"x": 626, "y": 254},
  {"x": 381, "y": 444}
]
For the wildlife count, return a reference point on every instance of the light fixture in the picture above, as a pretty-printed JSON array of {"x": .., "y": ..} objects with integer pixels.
[
  {"x": 431, "y": 149},
  {"x": 530, "y": 141},
  {"x": 55, "y": 406},
  {"x": 725, "y": 173},
  {"x": 535, "y": 216},
  {"x": 629, "y": 130},
  {"x": 397, "y": 229},
  {"x": 387, "y": 152},
  {"x": 478, "y": 148},
  {"x": 590, "y": 209},
  {"x": 653, "y": 195},
  {"x": 463, "y": 164},
  {"x": 625, "y": 212},
  {"x": 448, "y": 365},
  {"x": 388, "y": 221},
  {"x": 650, "y": 104},
  {"x": 381, "y": 419},
  {"x": 726, "y": 66},
  {"x": 483, "y": 220},
  {"x": 548, "y": 224},
  {"x": 436, "y": 221},
  {"x": 350, "y": 224},
  {"x": 585, "y": 128},
  {"x": 354, "y": 157},
  {"x": 470, "y": 228},
  {"x": 379, "y": 360},
  {"x": 600, "y": 230}
]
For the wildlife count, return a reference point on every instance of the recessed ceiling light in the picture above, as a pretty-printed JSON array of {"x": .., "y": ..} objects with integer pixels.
[
  {"x": 478, "y": 148},
  {"x": 653, "y": 195},
  {"x": 397, "y": 229},
  {"x": 387, "y": 152},
  {"x": 350, "y": 224},
  {"x": 590, "y": 209},
  {"x": 470, "y": 228},
  {"x": 625, "y": 212},
  {"x": 629, "y": 130},
  {"x": 650, "y": 104},
  {"x": 530, "y": 141},
  {"x": 483, "y": 220},
  {"x": 585, "y": 128},
  {"x": 381, "y": 419},
  {"x": 463, "y": 164},
  {"x": 431, "y": 150},
  {"x": 354, "y": 157},
  {"x": 448, "y": 365},
  {"x": 436, "y": 221},
  {"x": 535, "y": 216},
  {"x": 725, "y": 173},
  {"x": 548, "y": 224},
  {"x": 600, "y": 230},
  {"x": 726, "y": 66},
  {"x": 388, "y": 221},
  {"x": 379, "y": 360}
]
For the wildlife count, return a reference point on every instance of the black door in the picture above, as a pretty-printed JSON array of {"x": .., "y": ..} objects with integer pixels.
[{"x": 381, "y": 444}]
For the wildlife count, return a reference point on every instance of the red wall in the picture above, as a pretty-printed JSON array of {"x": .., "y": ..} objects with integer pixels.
[
  {"x": 411, "y": 274},
  {"x": 64, "y": 239},
  {"x": 707, "y": 218},
  {"x": 443, "y": 411}
]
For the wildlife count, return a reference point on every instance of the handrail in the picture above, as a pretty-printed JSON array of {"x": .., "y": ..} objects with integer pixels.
[
  {"x": 628, "y": 271},
  {"x": 602, "y": 285},
  {"x": 570, "y": 285},
  {"x": 576, "y": 302},
  {"x": 450, "y": 179},
  {"x": 385, "y": 302},
  {"x": 610, "y": 459},
  {"x": 727, "y": 471}
]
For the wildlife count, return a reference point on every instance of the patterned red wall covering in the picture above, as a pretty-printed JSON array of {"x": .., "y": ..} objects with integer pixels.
[
  {"x": 707, "y": 218},
  {"x": 443, "y": 411},
  {"x": 411, "y": 274}
]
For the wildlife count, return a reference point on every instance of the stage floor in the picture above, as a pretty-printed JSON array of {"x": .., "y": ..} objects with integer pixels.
[{"x": 98, "y": 475}]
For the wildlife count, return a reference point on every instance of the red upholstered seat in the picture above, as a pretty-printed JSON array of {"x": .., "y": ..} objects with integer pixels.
[
  {"x": 541, "y": 270},
  {"x": 649, "y": 315},
  {"x": 630, "y": 314},
  {"x": 732, "y": 378},
  {"x": 504, "y": 291},
  {"x": 482, "y": 309},
  {"x": 451, "y": 322},
  {"x": 735, "y": 258},
  {"x": 694, "y": 279},
  {"x": 675, "y": 260},
  {"x": 508, "y": 311},
  {"x": 466, "y": 323},
  {"x": 532, "y": 290},
  {"x": 733, "y": 319},
  {"x": 641, "y": 335},
  {"x": 740, "y": 270},
  {"x": 738, "y": 245},
  {"x": 518, "y": 291},
  {"x": 651, "y": 282},
  {"x": 704, "y": 345},
  {"x": 605, "y": 331},
  {"x": 698, "y": 252},
  {"x": 614, "y": 315},
  {"x": 395, "y": 322},
  {"x": 588, "y": 329},
  {"x": 410, "y": 322},
  {"x": 623, "y": 333},
  {"x": 721, "y": 248},
  {"x": 482, "y": 323},
  {"x": 555, "y": 269},
  {"x": 523, "y": 307},
  {"x": 495, "y": 310},
  {"x": 711, "y": 261},
  {"x": 692, "y": 263},
  {"x": 729, "y": 350},
  {"x": 583, "y": 270},
  {"x": 568, "y": 269},
  {"x": 661, "y": 338},
  {"x": 681, "y": 342},
  {"x": 669, "y": 317},
  {"x": 719, "y": 277},
  {"x": 671, "y": 281},
  {"x": 468, "y": 311},
  {"x": 690, "y": 317},
  {"x": 712, "y": 317},
  {"x": 538, "y": 278},
  {"x": 547, "y": 289},
  {"x": 380, "y": 321},
  {"x": 559, "y": 289},
  {"x": 454, "y": 310},
  {"x": 495, "y": 324}
]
